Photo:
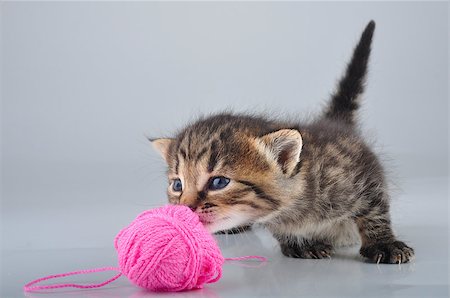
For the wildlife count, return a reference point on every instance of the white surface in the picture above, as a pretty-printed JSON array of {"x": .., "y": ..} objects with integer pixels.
[
  {"x": 423, "y": 224},
  {"x": 83, "y": 82}
]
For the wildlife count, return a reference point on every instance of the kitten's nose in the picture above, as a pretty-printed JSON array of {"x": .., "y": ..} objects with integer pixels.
[{"x": 189, "y": 200}]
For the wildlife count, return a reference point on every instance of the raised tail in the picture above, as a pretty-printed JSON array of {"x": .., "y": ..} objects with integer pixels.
[{"x": 345, "y": 101}]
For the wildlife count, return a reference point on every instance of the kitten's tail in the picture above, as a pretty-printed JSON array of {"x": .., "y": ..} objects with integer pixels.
[{"x": 344, "y": 101}]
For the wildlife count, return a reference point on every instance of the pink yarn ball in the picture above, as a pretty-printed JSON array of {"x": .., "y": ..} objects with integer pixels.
[{"x": 168, "y": 249}]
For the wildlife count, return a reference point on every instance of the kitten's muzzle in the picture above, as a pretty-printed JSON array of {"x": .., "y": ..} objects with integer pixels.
[{"x": 203, "y": 206}]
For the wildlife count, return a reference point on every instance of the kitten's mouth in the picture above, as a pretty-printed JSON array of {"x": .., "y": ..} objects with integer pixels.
[
  {"x": 206, "y": 222},
  {"x": 211, "y": 221},
  {"x": 206, "y": 219},
  {"x": 214, "y": 223}
]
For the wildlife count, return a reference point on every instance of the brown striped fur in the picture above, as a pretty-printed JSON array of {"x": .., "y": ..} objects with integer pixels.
[{"x": 314, "y": 185}]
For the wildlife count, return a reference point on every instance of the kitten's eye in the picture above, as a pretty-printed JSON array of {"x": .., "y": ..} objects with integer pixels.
[
  {"x": 218, "y": 183},
  {"x": 177, "y": 185}
]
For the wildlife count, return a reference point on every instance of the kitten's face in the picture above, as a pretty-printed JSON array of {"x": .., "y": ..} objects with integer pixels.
[{"x": 228, "y": 178}]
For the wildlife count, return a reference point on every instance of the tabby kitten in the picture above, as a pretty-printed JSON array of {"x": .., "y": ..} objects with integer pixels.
[{"x": 314, "y": 185}]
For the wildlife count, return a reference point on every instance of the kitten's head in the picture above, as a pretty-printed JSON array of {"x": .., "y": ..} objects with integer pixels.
[{"x": 230, "y": 169}]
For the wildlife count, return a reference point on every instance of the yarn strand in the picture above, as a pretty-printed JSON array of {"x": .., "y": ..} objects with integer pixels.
[
  {"x": 29, "y": 286},
  {"x": 245, "y": 258}
]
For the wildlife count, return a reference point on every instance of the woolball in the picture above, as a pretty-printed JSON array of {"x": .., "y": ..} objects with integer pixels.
[{"x": 168, "y": 249}]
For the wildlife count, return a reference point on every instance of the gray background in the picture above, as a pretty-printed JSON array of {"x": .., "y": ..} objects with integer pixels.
[{"x": 84, "y": 83}]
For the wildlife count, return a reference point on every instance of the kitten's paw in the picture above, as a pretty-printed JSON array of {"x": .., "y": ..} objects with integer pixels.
[
  {"x": 307, "y": 251},
  {"x": 395, "y": 252},
  {"x": 236, "y": 230}
]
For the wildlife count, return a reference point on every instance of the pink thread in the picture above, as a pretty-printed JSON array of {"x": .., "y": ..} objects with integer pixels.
[
  {"x": 262, "y": 259},
  {"x": 163, "y": 249},
  {"x": 28, "y": 287}
]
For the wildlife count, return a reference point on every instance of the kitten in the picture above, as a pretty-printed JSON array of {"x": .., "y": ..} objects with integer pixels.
[{"x": 313, "y": 185}]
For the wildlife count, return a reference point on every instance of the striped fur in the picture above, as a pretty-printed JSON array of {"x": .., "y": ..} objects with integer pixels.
[{"x": 314, "y": 185}]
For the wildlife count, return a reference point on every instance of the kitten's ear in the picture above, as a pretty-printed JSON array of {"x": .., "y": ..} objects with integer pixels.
[
  {"x": 162, "y": 146},
  {"x": 283, "y": 146}
]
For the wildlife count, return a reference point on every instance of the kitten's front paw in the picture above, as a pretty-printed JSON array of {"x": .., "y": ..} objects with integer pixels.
[
  {"x": 236, "y": 230},
  {"x": 395, "y": 252},
  {"x": 317, "y": 250}
]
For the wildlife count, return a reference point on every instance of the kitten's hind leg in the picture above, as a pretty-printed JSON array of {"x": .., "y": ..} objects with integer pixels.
[
  {"x": 305, "y": 249},
  {"x": 379, "y": 244}
]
